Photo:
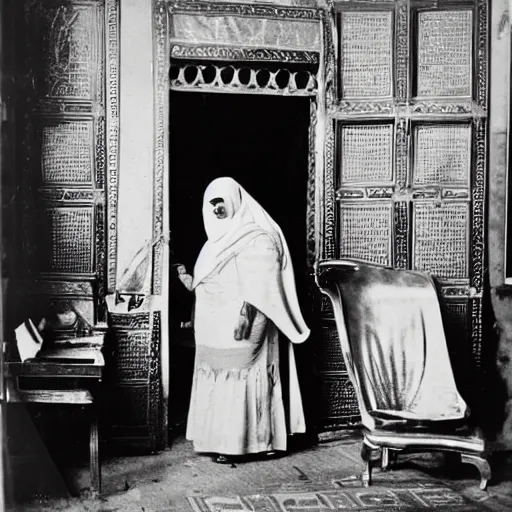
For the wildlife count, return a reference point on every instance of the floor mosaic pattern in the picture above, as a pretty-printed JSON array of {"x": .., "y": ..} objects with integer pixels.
[{"x": 402, "y": 496}]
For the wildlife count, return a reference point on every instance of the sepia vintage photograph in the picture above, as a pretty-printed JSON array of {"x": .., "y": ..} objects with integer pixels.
[{"x": 256, "y": 255}]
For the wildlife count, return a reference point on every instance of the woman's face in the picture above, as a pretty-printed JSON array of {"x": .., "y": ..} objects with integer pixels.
[
  {"x": 222, "y": 200},
  {"x": 219, "y": 208}
]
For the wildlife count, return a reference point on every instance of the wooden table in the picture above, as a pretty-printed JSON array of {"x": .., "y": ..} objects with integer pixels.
[{"x": 69, "y": 376}]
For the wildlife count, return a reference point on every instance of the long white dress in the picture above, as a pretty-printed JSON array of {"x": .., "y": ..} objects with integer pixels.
[{"x": 236, "y": 404}]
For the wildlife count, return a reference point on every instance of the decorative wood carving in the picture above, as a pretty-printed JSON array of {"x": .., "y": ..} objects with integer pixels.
[
  {"x": 427, "y": 193},
  {"x": 311, "y": 232},
  {"x": 436, "y": 107},
  {"x": 477, "y": 196},
  {"x": 69, "y": 196},
  {"x": 350, "y": 193},
  {"x": 76, "y": 289},
  {"x": 63, "y": 60},
  {"x": 349, "y": 108},
  {"x": 230, "y": 53},
  {"x": 157, "y": 410},
  {"x": 444, "y": 58},
  {"x": 162, "y": 65},
  {"x": 456, "y": 291},
  {"x": 328, "y": 351},
  {"x": 402, "y": 51},
  {"x": 49, "y": 106},
  {"x": 133, "y": 321},
  {"x": 67, "y": 240},
  {"x": 329, "y": 192},
  {"x": 366, "y": 153},
  {"x": 441, "y": 191},
  {"x": 401, "y": 235},
  {"x": 366, "y": 54},
  {"x": 476, "y": 331},
  {"x": 252, "y": 79},
  {"x": 100, "y": 153},
  {"x": 439, "y": 111},
  {"x": 208, "y": 55},
  {"x": 402, "y": 153},
  {"x": 441, "y": 238},
  {"x": 67, "y": 153},
  {"x": 415, "y": 109},
  {"x": 241, "y": 9},
  {"x": 379, "y": 193},
  {"x": 365, "y": 232},
  {"x": 135, "y": 378},
  {"x": 101, "y": 309},
  {"x": 112, "y": 129},
  {"x": 482, "y": 54},
  {"x": 452, "y": 193},
  {"x": 442, "y": 154},
  {"x": 69, "y": 145},
  {"x": 132, "y": 356},
  {"x": 235, "y": 84},
  {"x": 330, "y": 250},
  {"x": 338, "y": 401}
]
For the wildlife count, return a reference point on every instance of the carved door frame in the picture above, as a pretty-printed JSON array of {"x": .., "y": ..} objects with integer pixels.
[{"x": 164, "y": 51}]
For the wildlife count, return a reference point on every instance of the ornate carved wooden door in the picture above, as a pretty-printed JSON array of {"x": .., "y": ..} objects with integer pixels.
[
  {"x": 69, "y": 148},
  {"x": 63, "y": 156},
  {"x": 407, "y": 151}
]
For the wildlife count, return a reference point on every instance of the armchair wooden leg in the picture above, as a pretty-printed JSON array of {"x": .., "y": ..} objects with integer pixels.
[
  {"x": 482, "y": 465},
  {"x": 385, "y": 459},
  {"x": 366, "y": 455},
  {"x": 95, "y": 468},
  {"x": 366, "y": 475}
]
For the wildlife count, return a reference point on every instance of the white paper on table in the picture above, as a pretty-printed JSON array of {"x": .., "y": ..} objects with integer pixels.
[{"x": 28, "y": 340}]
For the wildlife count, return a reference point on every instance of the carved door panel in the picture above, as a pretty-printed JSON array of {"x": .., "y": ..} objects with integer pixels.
[
  {"x": 63, "y": 157},
  {"x": 68, "y": 144},
  {"x": 447, "y": 167},
  {"x": 408, "y": 114}
]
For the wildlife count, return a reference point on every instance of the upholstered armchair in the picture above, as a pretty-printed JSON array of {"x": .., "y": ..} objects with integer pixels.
[{"x": 392, "y": 338}]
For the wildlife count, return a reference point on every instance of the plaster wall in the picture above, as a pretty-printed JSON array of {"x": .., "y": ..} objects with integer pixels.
[
  {"x": 498, "y": 117},
  {"x": 499, "y": 34},
  {"x": 136, "y": 142}
]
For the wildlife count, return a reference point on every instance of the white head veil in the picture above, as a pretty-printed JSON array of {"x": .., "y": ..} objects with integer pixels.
[{"x": 246, "y": 220}]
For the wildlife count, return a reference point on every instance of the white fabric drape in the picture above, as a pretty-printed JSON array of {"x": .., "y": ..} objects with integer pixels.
[
  {"x": 236, "y": 404},
  {"x": 276, "y": 295}
]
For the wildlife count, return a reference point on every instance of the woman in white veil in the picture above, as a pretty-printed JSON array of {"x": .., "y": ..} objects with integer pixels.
[{"x": 245, "y": 292}]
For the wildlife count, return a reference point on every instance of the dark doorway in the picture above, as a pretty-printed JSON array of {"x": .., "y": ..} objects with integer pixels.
[{"x": 261, "y": 142}]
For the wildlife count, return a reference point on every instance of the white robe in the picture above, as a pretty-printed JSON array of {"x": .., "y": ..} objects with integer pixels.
[{"x": 236, "y": 404}]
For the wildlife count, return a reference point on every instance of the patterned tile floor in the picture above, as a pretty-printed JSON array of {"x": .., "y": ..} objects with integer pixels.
[{"x": 177, "y": 480}]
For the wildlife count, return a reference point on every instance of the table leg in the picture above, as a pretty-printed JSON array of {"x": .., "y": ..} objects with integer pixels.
[{"x": 94, "y": 454}]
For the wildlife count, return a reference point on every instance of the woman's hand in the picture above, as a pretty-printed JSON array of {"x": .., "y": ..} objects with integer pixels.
[
  {"x": 245, "y": 320},
  {"x": 185, "y": 278}
]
